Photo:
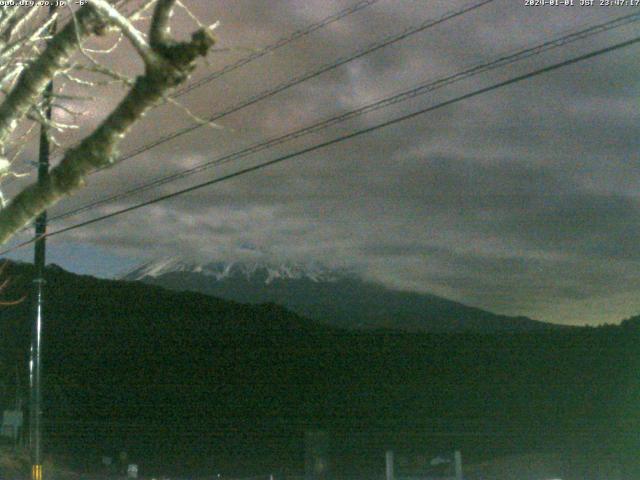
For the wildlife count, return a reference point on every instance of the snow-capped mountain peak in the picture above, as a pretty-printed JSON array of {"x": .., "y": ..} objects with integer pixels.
[
  {"x": 158, "y": 268},
  {"x": 338, "y": 297},
  {"x": 263, "y": 271}
]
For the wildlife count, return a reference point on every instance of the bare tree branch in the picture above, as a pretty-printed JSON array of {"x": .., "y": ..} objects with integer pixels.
[
  {"x": 125, "y": 26},
  {"x": 34, "y": 79},
  {"x": 167, "y": 65},
  {"x": 159, "y": 34}
]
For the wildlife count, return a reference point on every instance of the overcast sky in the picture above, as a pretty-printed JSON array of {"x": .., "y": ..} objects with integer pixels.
[{"x": 521, "y": 201}]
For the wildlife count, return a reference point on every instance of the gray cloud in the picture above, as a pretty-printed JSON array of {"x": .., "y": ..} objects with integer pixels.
[{"x": 521, "y": 201}]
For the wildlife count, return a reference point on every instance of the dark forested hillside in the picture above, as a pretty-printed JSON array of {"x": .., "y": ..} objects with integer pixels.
[{"x": 194, "y": 377}]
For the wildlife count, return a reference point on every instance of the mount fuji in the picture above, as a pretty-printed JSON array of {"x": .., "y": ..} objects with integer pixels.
[{"x": 335, "y": 297}]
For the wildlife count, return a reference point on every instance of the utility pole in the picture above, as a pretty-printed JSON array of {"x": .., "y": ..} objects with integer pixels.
[{"x": 35, "y": 364}]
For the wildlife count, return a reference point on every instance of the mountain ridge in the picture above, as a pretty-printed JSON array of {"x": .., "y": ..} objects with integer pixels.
[
  {"x": 221, "y": 270},
  {"x": 336, "y": 297}
]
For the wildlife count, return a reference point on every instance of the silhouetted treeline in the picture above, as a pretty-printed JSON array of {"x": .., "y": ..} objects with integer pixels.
[{"x": 184, "y": 376}]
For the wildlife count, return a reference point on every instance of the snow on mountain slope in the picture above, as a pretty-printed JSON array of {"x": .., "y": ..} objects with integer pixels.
[{"x": 267, "y": 272}]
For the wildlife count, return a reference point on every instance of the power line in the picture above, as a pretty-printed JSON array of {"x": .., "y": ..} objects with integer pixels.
[
  {"x": 275, "y": 46},
  {"x": 412, "y": 30},
  {"x": 387, "y": 101},
  {"x": 302, "y": 78},
  {"x": 281, "y": 42},
  {"x": 307, "y": 76},
  {"x": 342, "y": 138}
]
